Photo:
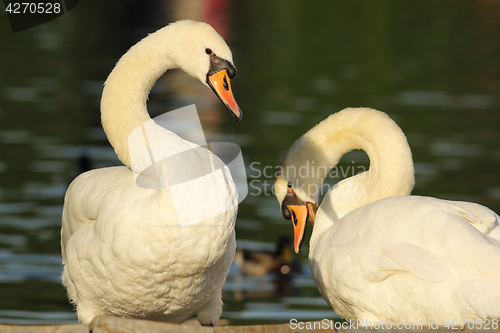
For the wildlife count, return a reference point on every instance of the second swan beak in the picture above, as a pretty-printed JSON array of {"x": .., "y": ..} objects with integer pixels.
[
  {"x": 299, "y": 215},
  {"x": 299, "y": 219},
  {"x": 221, "y": 85},
  {"x": 292, "y": 208}
]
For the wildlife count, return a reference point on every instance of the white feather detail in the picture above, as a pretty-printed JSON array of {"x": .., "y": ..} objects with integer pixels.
[{"x": 418, "y": 261}]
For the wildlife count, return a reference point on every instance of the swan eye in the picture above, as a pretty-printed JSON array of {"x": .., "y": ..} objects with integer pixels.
[
  {"x": 208, "y": 51},
  {"x": 290, "y": 185}
]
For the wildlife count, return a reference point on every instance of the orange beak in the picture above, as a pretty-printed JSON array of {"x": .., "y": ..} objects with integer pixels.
[
  {"x": 299, "y": 219},
  {"x": 311, "y": 212},
  {"x": 221, "y": 85}
]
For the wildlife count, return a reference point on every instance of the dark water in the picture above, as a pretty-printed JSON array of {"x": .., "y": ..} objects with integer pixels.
[{"x": 434, "y": 67}]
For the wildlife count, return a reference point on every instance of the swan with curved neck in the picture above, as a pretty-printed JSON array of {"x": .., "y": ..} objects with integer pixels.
[
  {"x": 320, "y": 149},
  {"x": 124, "y": 252},
  {"x": 377, "y": 253}
]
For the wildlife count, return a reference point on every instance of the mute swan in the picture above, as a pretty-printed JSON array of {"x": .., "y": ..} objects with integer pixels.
[
  {"x": 376, "y": 253},
  {"x": 124, "y": 252}
]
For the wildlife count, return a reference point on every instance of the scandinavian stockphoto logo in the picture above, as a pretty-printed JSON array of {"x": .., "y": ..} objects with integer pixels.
[
  {"x": 26, "y": 14},
  {"x": 170, "y": 152}
]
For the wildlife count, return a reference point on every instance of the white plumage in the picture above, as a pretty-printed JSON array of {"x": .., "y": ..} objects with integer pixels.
[
  {"x": 378, "y": 254},
  {"x": 124, "y": 251}
]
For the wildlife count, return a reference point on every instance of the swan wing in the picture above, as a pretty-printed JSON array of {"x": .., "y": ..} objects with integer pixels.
[
  {"x": 476, "y": 244},
  {"x": 426, "y": 237},
  {"x": 480, "y": 217},
  {"x": 401, "y": 247},
  {"x": 415, "y": 259},
  {"x": 464, "y": 244},
  {"x": 438, "y": 236},
  {"x": 84, "y": 197}
]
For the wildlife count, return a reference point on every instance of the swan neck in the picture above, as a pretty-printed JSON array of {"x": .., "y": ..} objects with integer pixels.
[
  {"x": 126, "y": 90},
  {"x": 320, "y": 149}
]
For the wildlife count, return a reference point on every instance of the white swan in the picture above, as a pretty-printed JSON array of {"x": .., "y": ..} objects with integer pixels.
[
  {"x": 376, "y": 253},
  {"x": 124, "y": 251}
]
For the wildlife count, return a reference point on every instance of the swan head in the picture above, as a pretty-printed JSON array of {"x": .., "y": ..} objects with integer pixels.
[
  {"x": 298, "y": 191},
  {"x": 294, "y": 208},
  {"x": 202, "y": 53}
]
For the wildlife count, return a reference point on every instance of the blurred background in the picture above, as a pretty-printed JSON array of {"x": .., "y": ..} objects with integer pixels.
[{"x": 433, "y": 66}]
